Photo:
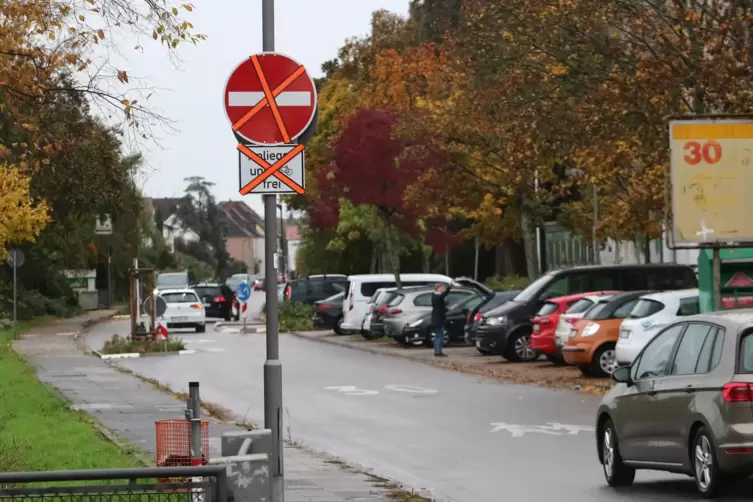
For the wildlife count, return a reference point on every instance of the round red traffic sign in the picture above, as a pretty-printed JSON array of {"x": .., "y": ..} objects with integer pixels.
[{"x": 270, "y": 99}]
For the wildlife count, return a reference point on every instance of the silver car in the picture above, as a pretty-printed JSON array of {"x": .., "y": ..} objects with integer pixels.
[{"x": 409, "y": 304}]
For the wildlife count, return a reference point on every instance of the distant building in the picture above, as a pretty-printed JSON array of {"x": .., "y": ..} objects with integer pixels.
[
  {"x": 245, "y": 234},
  {"x": 166, "y": 211}
]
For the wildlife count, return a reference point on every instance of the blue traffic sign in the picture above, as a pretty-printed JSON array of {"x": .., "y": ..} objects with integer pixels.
[{"x": 243, "y": 292}]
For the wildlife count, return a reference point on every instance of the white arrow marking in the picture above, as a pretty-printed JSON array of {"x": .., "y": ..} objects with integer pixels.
[
  {"x": 286, "y": 98},
  {"x": 350, "y": 390},
  {"x": 410, "y": 388},
  {"x": 551, "y": 429}
]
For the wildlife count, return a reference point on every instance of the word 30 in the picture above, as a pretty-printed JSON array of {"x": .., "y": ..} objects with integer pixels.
[
  {"x": 551, "y": 429},
  {"x": 350, "y": 390}
]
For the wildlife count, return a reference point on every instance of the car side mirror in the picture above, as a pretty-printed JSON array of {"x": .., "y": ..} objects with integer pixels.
[{"x": 622, "y": 375}]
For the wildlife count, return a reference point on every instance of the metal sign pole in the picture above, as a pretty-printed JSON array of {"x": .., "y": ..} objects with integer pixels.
[
  {"x": 272, "y": 366},
  {"x": 716, "y": 276},
  {"x": 15, "y": 297}
]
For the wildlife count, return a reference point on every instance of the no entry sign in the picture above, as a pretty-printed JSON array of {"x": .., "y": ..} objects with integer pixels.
[{"x": 270, "y": 99}]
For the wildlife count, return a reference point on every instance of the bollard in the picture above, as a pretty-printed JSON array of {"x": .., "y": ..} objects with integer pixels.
[{"x": 193, "y": 413}]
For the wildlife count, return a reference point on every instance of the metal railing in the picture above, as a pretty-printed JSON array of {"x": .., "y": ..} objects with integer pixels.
[{"x": 152, "y": 484}]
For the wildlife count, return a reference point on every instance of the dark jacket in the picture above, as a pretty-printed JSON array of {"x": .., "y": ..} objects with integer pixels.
[{"x": 439, "y": 308}]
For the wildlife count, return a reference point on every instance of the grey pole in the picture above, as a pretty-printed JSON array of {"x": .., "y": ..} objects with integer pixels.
[
  {"x": 15, "y": 298},
  {"x": 716, "y": 275},
  {"x": 109, "y": 276},
  {"x": 272, "y": 366}
]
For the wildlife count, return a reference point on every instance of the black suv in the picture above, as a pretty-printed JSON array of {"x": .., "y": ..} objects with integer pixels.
[
  {"x": 217, "y": 299},
  {"x": 506, "y": 330},
  {"x": 314, "y": 288}
]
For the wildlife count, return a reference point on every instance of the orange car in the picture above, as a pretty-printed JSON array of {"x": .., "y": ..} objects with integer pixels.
[{"x": 592, "y": 340}]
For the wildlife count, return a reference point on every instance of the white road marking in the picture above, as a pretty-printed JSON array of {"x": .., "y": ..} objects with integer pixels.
[
  {"x": 551, "y": 429},
  {"x": 410, "y": 388},
  {"x": 350, "y": 390},
  {"x": 213, "y": 349}
]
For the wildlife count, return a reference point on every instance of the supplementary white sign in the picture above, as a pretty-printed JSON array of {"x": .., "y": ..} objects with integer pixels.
[
  {"x": 351, "y": 390},
  {"x": 550, "y": 429},
  {"x": 255, "y": 161}
]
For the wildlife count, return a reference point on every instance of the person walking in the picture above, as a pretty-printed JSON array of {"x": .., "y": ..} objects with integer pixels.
[{"x": 438, "y": 317}]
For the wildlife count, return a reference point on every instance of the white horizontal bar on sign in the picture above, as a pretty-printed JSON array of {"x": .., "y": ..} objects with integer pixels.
[{"x": 287, "y": 98}]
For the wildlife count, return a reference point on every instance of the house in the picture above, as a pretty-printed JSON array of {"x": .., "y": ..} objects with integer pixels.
[
  {"x": 293, "y": 240},
  {"x": 245, "y": 234},
  {"x": 166, "y": 212}
]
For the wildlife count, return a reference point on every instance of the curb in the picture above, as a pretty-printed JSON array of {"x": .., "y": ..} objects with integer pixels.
[
  {"x": 121, "y": 317},
  {"x": 134, "y": 355}
]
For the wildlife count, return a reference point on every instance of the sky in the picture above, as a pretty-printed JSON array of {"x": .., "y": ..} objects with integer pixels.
[{"x": 191, "y": 95}]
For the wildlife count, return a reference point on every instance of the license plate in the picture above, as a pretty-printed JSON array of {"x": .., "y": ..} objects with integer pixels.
[
  {"x": 536, "y": 328},
  {"x": 478, "y": 344},
  {"x": 207, "y": 304},
  {"x": 179, "y": 319}
]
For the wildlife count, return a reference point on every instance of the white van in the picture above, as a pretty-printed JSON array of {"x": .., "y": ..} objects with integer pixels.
[{"x": 363, "y": 287}]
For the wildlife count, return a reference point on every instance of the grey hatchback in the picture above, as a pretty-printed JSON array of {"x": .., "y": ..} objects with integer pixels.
[{"x": 685, "y": 404}]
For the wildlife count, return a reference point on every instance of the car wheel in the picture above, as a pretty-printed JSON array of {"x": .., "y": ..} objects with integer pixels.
[
  {"x": 337, "y": 329},
  {"x": 412, "y": 342},
  {"x": 586, "y": 371},
  {"x": 705, "y": 466},
  {"x": 484, "y": 352},
  {"x": 201, "y": 328},
  {"x": 605, "y": 361},
  {"x": 369, "y": 335},
  {"x": 555, "y": 360},
  {"x": 615, "y": 471},
  {"x": 519, "y": 349}
]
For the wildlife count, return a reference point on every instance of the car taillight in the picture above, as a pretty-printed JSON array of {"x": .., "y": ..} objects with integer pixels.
[
  {"x": 382, "y": 310},
  {"x": 219, "y": 299},
  {"x": 287, "y": 293},
  {"x": 322, "y": 307},
  {"x": 544, "y": 320},
  {"x": 478, "y": 317},
  {"x": 197, "y": 306},
  {"x": 235, "y": 303},
  {"x": 737, "y": 392},
  {"x": 395, "y": 311}
]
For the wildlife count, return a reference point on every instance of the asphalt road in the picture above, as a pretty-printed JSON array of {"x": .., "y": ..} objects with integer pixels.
[{"x": 462, "y": 438}]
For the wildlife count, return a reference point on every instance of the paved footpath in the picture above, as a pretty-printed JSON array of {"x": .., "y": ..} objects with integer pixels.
[{"x": 127, "y": 406}]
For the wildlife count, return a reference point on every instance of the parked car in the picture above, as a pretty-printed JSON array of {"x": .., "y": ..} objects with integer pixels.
[
  {"x": 184, "y": 309},
  {"x": 509, "y": 332},
  {"x": 328, "y": 314},
  {"x": 473, "y": 319},
  {"x": 591, "y": 346},
  {"x": 546, "y": 320},
  {"x": 172, "y": 280},
  {"x": 652, "y": 313},
  {"x": 362, "y": 287},
  {"x": 684, "y": 405},
  {"x": 379, "y": 297},
  {"x": 236, "y": 279},
  {"x": 314, "y": 288},
  {"x": 384, "y": 308},
  {"x": 407, "y": 307},
  {"x": 572, "y": 315},
  {"x": 419, "y": 330},
  {"x": 217, "y": 299}
]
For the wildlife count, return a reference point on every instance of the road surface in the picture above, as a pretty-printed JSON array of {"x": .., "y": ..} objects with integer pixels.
[{"x": 462, "y": 438}]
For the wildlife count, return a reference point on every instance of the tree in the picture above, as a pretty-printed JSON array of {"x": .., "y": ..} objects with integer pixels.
[{"x": 21, "y": 219}]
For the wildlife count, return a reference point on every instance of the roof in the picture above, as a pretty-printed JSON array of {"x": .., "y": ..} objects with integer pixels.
[
  {"x": 292, "y": 233},
  {"x": 578, "y": 296},
  {"x": 673, "y": 294},
  {"x": 165, "y": 207},
  {"x": 407, "y": 277},
  {"x": 176, "y": 290},
  {"x": 619, "y": 266},
  {"x": 741, "y": 318},
  {"x": 242, "y": 221}
]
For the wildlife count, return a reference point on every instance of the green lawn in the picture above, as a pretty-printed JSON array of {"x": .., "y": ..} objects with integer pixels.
[{"x": 38, "y": 431}]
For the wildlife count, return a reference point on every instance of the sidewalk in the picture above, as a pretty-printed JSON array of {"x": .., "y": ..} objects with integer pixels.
[{"x": 128, "y": 407}]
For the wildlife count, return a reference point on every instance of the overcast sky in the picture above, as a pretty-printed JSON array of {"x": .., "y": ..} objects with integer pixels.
[{"x": 309, "y": 31}]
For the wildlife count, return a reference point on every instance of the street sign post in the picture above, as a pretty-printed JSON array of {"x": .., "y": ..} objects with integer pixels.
[
  {"x": 710, "y": 176},
  {"x": 270, "y": 99},
  {"x": 16, "y": 258},
  {"x": 243, "y": 293},
  {"x": 271, "y": 103}
]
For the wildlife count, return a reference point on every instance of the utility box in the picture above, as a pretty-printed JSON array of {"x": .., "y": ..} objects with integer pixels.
[{"x": 736, "y": 273}]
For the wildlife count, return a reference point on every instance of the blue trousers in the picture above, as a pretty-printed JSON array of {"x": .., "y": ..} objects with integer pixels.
[{"x": 438, "y": 339}]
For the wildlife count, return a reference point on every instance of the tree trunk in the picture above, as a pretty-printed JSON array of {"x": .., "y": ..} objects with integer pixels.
[
  {"x": 391, "y": 251},
  {"x": 446, "y": 261},
  {"x": 647, "y": 248},
  {"x": 426, "y": 255},
  {"x": 374, "y": 260},
  {"x": 528, "y": 230}
]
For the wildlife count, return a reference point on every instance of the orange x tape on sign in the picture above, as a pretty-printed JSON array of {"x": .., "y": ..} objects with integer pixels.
[
  {"x": 272, "y": 170},
  {"x": 270, "y": 99}
]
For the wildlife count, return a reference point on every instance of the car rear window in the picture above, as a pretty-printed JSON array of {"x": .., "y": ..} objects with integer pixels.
[
  {"x": 596, "y": 311},
  {"x": 580, "y": 306},
  {"x": 180, "y": 298},
  {"x": 689, "y": 306},
  {"x": 494, "y": 302},
  {"x": 395, "y": 299},
  {"x": 745, "y": 357},
  {"x": 368, "y": 288},
  {"x": 645, "y": 308},
  {"x": 547, "y": 309},
  {"x": 213, "y": 291}
]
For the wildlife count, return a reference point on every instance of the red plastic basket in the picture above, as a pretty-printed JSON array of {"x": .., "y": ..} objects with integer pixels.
[{"x": 174, "y": 442}]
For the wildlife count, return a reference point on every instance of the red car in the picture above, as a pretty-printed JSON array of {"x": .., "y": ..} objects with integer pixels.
[{"x": 545, "y": 323}]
